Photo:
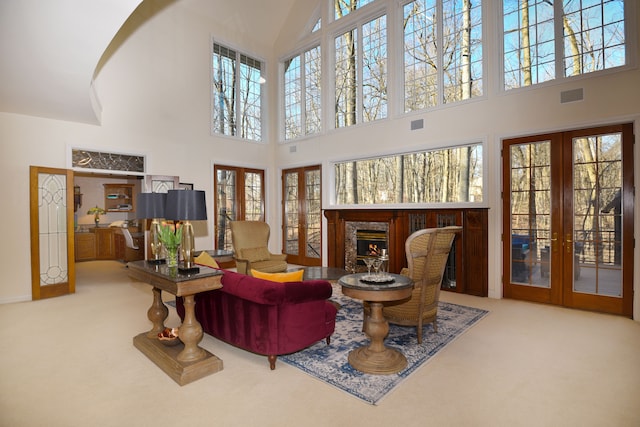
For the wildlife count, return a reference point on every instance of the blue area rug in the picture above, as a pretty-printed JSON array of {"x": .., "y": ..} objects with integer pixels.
[{"x": 329, "y": 362}]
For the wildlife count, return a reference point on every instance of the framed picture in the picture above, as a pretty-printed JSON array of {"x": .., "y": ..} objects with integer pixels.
[{"x": 185, "y": 186}]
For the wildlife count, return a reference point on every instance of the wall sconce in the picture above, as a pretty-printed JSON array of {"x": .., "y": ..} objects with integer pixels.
[
  {"x": 152, "y": 206},
  {"x": 186, "y": 206}
]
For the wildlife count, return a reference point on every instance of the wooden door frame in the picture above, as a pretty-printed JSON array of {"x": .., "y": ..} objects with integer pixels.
[
  {"x": 301, "y": 258},
  {"x": 561, "y": 187},
  {"x": 38, "y": 291},
  {"x": 588, "y": 301}
]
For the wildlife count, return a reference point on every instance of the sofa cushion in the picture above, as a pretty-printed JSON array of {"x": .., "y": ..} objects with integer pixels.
[
  {"x": 255, "y": 254},
  {"x": 272, "y": 293},
  {"x": 205, "y": 259},
  {"x": 291, "y": 276}
]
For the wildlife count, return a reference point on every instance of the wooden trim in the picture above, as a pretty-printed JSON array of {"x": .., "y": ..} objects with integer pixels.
[
  {"x": 37, "y": 291},
  {"x": 471, "y": 246}
]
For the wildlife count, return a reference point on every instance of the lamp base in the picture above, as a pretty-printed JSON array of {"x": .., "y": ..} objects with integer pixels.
[
  {"x": 188, "y": 270},
  {"x": 156, "y": 261}
]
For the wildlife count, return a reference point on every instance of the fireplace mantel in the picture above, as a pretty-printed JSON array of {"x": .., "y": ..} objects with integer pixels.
[{"x": 470, "y": 251}]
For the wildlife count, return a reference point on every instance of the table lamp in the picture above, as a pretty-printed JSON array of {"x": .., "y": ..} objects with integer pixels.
[
  {"x": 152, "y": 206},
  {"x": 186, "y": 206}
]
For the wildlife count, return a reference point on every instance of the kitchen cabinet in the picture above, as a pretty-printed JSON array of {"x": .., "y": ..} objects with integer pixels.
[
  {"x": 85, "y": 246},
  {"x": 105, "y": 243}
]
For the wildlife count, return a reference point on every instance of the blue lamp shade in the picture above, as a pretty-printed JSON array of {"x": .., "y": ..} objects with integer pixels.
[
  {"x": 186, "y": 205},
  {"x": 151, "y": 205}
]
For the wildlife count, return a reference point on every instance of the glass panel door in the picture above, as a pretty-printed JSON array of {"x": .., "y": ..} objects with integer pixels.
[
  {"x": 598, "y": 230},
  {"x": 52, "y": 236},
  {"x": 568, "y": 228},
  {"x": 302, "y": 215},
  {"x": 533, "y": 202}
]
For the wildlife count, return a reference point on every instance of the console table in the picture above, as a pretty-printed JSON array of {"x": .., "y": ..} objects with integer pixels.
[{"x": 185, "y": 362}]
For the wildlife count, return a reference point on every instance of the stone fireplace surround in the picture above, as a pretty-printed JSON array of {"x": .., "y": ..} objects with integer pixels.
[
  {"x": 471, "y": 264},
  {"x": 351, "y": 242}
]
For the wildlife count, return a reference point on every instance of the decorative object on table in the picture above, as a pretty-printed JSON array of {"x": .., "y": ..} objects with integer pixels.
[
  {"x": 186, "y": 206},
  {"x": 96, "y": 212},
  {"x": 384, "y": 260},
  {"x": 152, "y": 206},
  {"x": 169, "y": 336},
  {"x": 170, "y": 236},
  {"x": 330, "y": 363}
]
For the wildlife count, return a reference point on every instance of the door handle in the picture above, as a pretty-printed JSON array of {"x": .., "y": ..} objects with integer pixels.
[
  {"x": 554, "y": 242},
  {"x": 569, "y": 242}
]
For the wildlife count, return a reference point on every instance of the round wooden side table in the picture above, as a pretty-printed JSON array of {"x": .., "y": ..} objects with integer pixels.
[{"x": 376, "y": 358}]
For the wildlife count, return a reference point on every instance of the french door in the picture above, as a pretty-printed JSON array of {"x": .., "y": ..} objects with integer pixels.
[
  {"x": 568, "y": 205},
  {"x": 302, "y": 215},
  {"x": 52, "y": 236}
]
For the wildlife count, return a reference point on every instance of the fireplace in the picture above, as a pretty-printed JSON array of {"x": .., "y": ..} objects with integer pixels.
[
  {"x": 467, "y": 270},
  {"x": 370, "y": 243},
  {"x": 363, "y": 238}
]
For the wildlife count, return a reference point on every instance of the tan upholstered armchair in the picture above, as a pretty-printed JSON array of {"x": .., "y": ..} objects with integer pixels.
[
  {"x": 250, "y": 246},
  {"x": 427, "y": 253}
]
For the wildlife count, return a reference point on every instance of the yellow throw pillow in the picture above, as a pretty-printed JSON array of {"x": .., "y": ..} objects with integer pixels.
[
  {"x": 205, "y": 259},
  {"x": 292, "y": 276}
]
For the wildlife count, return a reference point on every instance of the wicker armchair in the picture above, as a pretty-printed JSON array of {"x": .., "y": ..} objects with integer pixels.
[
  {"x": 427, "y": 253},
  {"x": 250, "y": 240}
]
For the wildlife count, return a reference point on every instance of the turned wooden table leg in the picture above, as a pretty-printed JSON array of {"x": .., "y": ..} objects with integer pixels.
[
  {"x": 157, "y": 313},
  {"x": 377, "y": 328},
  {"x": 376, "y": 358},
  {"x": 190, "y": 333}
]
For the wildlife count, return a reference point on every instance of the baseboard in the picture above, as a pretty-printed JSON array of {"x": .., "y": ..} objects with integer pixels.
[{"x": 10, "y": 300}]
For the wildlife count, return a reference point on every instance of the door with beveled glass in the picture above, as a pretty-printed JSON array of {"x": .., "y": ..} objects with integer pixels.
[
  {"x": 52, "y": 234},
  {"x": 302, "y": 215},
  {"x": 568, "y": 218}
]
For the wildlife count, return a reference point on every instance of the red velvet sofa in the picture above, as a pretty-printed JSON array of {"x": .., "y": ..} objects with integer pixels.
[{"x": 266, "y": 317}]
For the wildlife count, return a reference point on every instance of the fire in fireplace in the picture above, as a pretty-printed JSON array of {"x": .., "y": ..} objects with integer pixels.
[{"x": 370, "y": 243}]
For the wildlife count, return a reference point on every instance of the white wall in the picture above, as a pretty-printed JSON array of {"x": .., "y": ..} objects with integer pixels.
[{"x": 155, "y": 97}]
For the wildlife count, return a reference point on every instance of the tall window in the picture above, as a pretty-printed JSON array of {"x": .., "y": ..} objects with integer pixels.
[
  {"x": 237, "y": 94},
  {"x": 343, "y": 7},
  {"x": 239, "y": 196},
  {"x": 361, "y": 73},
  {"x": 593, "y": 39},
  {"x": 302, "y": 90},
  {"x": 442, "y": 52},
  {"x": 450, "y": 175}
]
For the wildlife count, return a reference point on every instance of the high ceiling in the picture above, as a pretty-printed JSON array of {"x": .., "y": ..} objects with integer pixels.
[{"x": 51, "y": 49}]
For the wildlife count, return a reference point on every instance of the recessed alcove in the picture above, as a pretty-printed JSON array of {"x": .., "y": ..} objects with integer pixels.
[{"x": 468, "y": 265}]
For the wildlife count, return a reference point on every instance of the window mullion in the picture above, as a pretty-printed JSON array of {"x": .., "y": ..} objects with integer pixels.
[
  {"x": 440, "y": 52},
  {"x": 303, "y": 92},
  {"x": 558, "y": 17},
  {"x": 359, "y": 67}
]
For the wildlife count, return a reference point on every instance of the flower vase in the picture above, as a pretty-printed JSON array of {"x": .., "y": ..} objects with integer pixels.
[{"x": 172, "y": 256}]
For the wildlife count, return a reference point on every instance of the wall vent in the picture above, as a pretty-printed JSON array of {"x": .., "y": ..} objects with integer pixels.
[
  {"x": 571, "y": 95},
  {"x": 417, "y": 124}
]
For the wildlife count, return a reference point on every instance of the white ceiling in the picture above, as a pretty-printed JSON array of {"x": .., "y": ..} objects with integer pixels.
[{"x": 49, "y": 49}]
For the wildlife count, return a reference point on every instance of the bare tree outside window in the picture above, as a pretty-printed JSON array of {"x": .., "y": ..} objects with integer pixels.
[
  {"x": 450, "y": 175},
  {"x": 237, "y": 94},
  {"x": 360, "y": 78},
  {"x": 593, "y": 38},
  {"x": 442, "y": 63},
  {"x": 302, "y": 94}
]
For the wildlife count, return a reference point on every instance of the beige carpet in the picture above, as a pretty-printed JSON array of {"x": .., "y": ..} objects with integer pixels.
[{"x": 70, "y": 361}]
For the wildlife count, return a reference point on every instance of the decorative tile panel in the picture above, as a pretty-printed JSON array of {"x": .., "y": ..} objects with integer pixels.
[{"x": 85, "y": 159}]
